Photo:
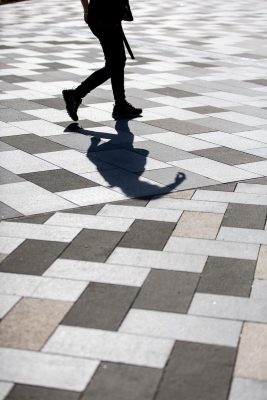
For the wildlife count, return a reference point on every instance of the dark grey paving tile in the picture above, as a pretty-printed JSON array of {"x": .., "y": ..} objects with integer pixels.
[
  {"x": 228, "y": 156},
  {"x": 206, "y": 109},
  {"x": 223, "y": 187},
  {"x": 92, "y": 245},
  {"x": 183, "y": 127},
  {"x": 200, "y": 64},
  {"x": 76, "y": 141},
  {"x": 122, "y": 382},
  {"x": 260, "y": 181},
  {"x": 132, "y": 202},
  {"x": 58, "y": 180},
  {"x": 87, "y": 210},
  {"x": 197, "y": 371},
  {"x": 14, "y": 78},
  {"x": 8, "y": 212},
  {"x": 22, "y": 104},
  {"x": 136, "y": 127},
  {"x": 101, "y": 306},
  {"x": 227, "y": 276},
  {"x": 168, "y": 291},
  {"x": 83, "y": 123},
  {"x": 55, "y": 65},
  {"x": 32, "y": 144},
  {"x": 262, "y": 82},
  {"x": 32, "y": 257},
  {"x": 5, "y": 147},
  {"x": 8, "y": 177},
  {"x": 245, "y": 216},
  {"x": 57, "y": 103},
  {"x": 145, "y": 234},
  {"x": 10, "y": 115},
  {"x": 34, "y": 219},
  {"x": 217, "y": 124},
  {"x": 26, "y": 392},
  {"x": 167, "y": 91}
]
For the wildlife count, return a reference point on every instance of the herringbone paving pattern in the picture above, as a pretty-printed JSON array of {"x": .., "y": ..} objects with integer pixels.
[{"x": 134, "y": 254}]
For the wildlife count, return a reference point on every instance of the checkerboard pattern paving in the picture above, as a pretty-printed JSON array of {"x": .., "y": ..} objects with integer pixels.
[{"x": 134, "y": 253}]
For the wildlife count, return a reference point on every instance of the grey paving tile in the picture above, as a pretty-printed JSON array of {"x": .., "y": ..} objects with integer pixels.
[
  {"x": 217, "y": 124},
  {"x": 168, "y": 291},
  {"x": 80, "y": 142},
  {"x": 26, "y": 392},
  {"x": 92, "y": 245},
  {"x": 132, "y": 202},
  {"x": 10, "y": 115},
  {"x": 32, "y": 257},
  {"x": 144, "y": 234},
  {"x": 5, "y": 147},
  {"x": 32, "y": 143},
  {"x": 8, "y": 177},
  {"x": 34, "y": 219},
  {"x": 247, "y": 389},
  {"x": 204, "y": 373},
  {"x": 15, "y": 78},
  {"x": 260, "y": 181},
  {"x": 58, "y": 103},
  {"x": 227, "y": 156},
  {"x": 167, "y": 91},
  {"x": 22, "y": 104},
  {"x": 8, "y": 212},
  {"x": 87, "y": 210},
  {"x": 58, "y": 180},
  {"x": 223, "y": 187},
  {"x": 183, "y": 127},
  {"x": 120, "y": 382},
  {"x": 227, "y": 276},
  {"x": 101, "y": 306},
  {"x": 136, "y": 127},
  {"x": 206, "y": 109},
  {"x": 245, "y": 216}
]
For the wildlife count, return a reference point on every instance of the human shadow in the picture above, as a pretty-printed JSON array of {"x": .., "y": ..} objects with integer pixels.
[{"x": 120, "y": 164}]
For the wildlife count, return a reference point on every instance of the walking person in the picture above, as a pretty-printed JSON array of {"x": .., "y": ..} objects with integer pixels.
[{"x": 104, "y": 18}]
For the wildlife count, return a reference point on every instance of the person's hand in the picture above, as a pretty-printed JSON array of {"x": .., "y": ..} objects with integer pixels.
[{"x": 85, "y": 16}]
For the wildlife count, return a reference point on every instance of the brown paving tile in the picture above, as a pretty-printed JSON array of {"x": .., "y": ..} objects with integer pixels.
[
  {"x": 197, "y": 371},
  {"x": 92, "y": 245},
  {"x": 58, "y": 180},
  {"x": 261, "y": 268},
  {"x": 168, "y": 291},
  {"x": 145, "y": 234},
  {"x": 26, "y": 392},
  {"x": 29, "y": 324},
  {"x": 123, "y": 382},
  {"x": 228, "y": 156},
  {"x": 198, "y": 225},
  {"x": 183, "y": 127},
  {"x": 227, "y": 276},
  {"x": 252, "y": 353},
  {"x": 32, "y": 144},
  {"x": 224, "y": 187},
  {"x": 245, "y": 216},
  {"x": 185, "y": 194},
  {"x": 101, "y": 306},
  {"x": 32, "y": 257}
]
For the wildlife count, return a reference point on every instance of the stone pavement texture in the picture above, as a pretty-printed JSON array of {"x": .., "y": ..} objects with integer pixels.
[{"x": 134, "y": 254}]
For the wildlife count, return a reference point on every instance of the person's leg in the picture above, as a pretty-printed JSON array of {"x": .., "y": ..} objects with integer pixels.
[{"x": 92, "y": 82}]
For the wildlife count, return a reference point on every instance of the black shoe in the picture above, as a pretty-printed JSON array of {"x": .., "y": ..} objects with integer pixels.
[
  {"x": 125, "y": 110},
  {"x": 72, "y": 103}
]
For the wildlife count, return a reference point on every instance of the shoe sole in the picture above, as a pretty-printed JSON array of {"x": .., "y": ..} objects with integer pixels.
[
  {"x": 126, "y": 116},
  {"x": 74, "y": 118}
]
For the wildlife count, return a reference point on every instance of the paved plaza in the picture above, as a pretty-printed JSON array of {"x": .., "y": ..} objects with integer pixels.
[{"x": 134, "y": 253}]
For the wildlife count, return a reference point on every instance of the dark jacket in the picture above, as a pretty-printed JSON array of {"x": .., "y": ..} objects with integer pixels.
[{"x": 109, "y": 13}]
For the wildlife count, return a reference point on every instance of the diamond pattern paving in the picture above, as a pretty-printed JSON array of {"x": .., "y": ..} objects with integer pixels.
[{"x": 134, "y": 253}]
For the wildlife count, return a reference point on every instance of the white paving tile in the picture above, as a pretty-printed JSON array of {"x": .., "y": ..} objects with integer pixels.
[
  {"x": 214, "y": 169},
  {"x": 110, "y": 346},
  {"x": 39, "y": 369},
  {"x": 229, "y": 307},
  {"x": 19, "y": 162},
  {"x": 49, "y": 114},
  {"x": 258, "y": 135},
  {"x": 18, "y": 284},
  {"x": 180, "y": 141},
  {"x": 5, "y": 388},
  {"x": 230, "y": 197},
  {"x": 59, "y": 289},
  {"x": 261, "y": 152},
  {"x": 38, "y": 231},
  {"x": 9, "y": 130},
  {"x": 97, "y": 272},
  {"x": 242, "y": 235},
  {"x": 247, "y": 389},
  {"x": 93, "y": 195},
  {"x": 259, "y": 167},
  {"x": 240, "y": 118},
  {"x": 251, "y": 188},
  {"x": 6, "y": 303},
  {"x": 182, "y": 327},
  {"x": 175, "y": 112},
  {"x": 188, "y": 205},
  {"x": 157, "y": 259},
  {"x": 7, "y": 244},
  {"x": 146, "y": 213},
  {"x": 107, "y": 223},
  {"x": 229, "y": 140},
  {"x": 216, "y": 248},
  {"x": 28, "y": 198},
  {"x": 39, "y": 127}
]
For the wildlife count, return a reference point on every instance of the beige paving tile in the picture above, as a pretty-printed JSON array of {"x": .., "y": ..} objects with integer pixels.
[
  {"x": 252, "y": 353},
  {"x": 261, "y": 268},
  {"x": 31, "y": 322},
  {"x": 198, "y": 225},
  {"x": 185, "y": 194}
]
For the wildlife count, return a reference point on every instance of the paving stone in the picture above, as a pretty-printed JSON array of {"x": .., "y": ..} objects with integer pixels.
[
  {"x": 185, "y": 194},
  {"x": 110, "y": 346},
  {"x": 246, "y": 389},
  {"x": 9, "y": 115},
  {"x": 205, "y": 373},
  {"x": 26, "y": 392},
  {"x": 32, "y": 257},
  {"x": 39, "y": 369},
  {"x": 7, "y": 303},
  {"x": 5, "y": 388},
  {"x": 168, "y": 91},
  {"x": 198, "y": 225},
  {"x": 252, "y": 353},
  {"x": 34, "y": 219},
  {"x": 188, "y": 205},
  {"x": 242, "y": 235},
  {"x": 101, "y": 306},
  {"x": 227, "y": 276},
  {"x": 87, "y": 210},
  {"x": 119, "y": 382},
  {"x": 32, "y": 144},
  {"x": 228, "y": 197},
  {"x": 21, "y": 104},
  {"x": 7, "y": 176},
  {"x": 227, "y": 156},
  {"x": 245, "y": 216},
  {"x": 205, "y": 109},
  {"x": 169, "y": 291},
  {"x": 5, "y": 147},
  {"x": 183, "y": 127},
  {"x": 261, "y": 268},
  {"x": 92, "y": 245},
  {"x": 8, "y": 212},
  {"x": 29, "y": 324},
  {"x": 224, "y": 187},
  {"x": 217, "y": 124}
]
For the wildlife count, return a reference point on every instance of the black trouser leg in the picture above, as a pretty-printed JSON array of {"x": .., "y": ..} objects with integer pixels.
[{"x": 92, "y": 82}]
